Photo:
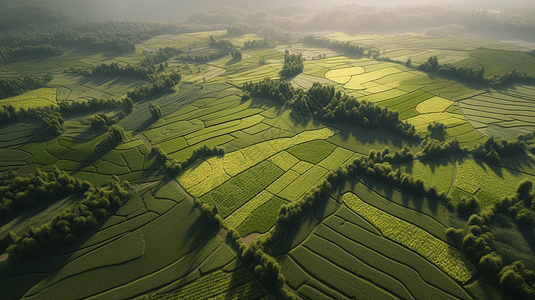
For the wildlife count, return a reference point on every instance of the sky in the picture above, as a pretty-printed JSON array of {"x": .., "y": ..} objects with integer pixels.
[{"x": 155, "y": 10}]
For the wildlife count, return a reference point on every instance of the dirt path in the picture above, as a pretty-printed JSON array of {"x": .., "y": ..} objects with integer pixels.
[{"x": 454, "y": 177}]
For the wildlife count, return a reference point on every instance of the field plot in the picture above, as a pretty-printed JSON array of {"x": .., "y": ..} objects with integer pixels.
[
  {"x": 237, "y": 191},
  {"x": 420, "y": 122},
  {"x": 446, "y": 257},
  {"x": 493, "y": 181},
  {"x": 309, "y": 53},
  {"x": 434, "y": 174},
  {"x": 503, "y": 114},
  {"x": 73, "y": 87},
  {"x": 178, "y": 41},
  {"x": 500, "y": 61},
  {"x": 37, "y": 98},
  {"x": 407, "y": 104},
  {"x": 433, "y": 105}
]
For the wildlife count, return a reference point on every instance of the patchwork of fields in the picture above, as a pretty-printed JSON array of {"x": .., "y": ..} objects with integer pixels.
[{"x": 366, "y": 240}]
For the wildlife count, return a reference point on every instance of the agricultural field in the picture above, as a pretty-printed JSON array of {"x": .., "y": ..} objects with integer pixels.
[{"x": 211, "y": 164}]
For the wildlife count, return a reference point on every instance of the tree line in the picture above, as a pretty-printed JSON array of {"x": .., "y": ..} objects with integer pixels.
[
  {"x": 324, "y": 103},
  {"x": 173, "y": 167},
  {"x": 477, "y": 241},
  {"x": 114, "y": 69},
  {"x": 10, "y": 87},
  {"x": 346, "y": 48},
  {"x": 50, "y": 117},
  {"x": 256, "y": 44},
  {"x": 96, "y": 203},
  {"x": 293, "y": 64},
  {"x": 472, "y": 75},
  {"x": 491, "y": 151},
  {"x": 162, "y": 55},
  {"x": 162, "y": 84},
  {"x": 7, "y": 54}
]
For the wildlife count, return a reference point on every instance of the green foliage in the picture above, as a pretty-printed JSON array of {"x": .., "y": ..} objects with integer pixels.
[
  {"x": 102, "y": 122},
  {"x": 18, "y": 193},
  {"x": 16, "y": 86},
  {"x": 433, "y": 149},
  {"x": 96, "y": 204},
  {"x": 293, "y": 64},
  {"x": 437, "y": 127},
  {"x": 115, "y": 136},
  {"x": 322, "y": 102},
  {"x": 164, "y": 83},
  {"x": 346, "y": 48},
  {"x": 313, "y": 151},
  {"x": 173, "y": 166},
  {"x": 155, "y": 111}
]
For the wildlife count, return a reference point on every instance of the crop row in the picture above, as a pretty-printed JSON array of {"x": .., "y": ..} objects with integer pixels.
[
  {"x": 219, "y": 285},
  {"x": 241, "y": 188}
]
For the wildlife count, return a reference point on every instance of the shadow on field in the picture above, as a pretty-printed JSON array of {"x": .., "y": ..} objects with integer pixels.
[
  {"x": 519, "y": 163},
  {"x": 407, "y": 197}
]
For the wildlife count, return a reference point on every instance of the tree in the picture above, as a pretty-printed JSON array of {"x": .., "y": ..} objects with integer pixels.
[
  {"x": 115, "y": 135},
  {"x": 155, "y": 111},
  {"x": 408, "y": 63}
]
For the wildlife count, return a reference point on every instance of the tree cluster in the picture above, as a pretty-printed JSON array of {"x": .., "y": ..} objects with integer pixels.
[
  {"x": 15, "y": 86},
  {"x": 93, "y": 104},
  {"x": 162, "y": 55},
  {"x": 7, "y": 54},
  {"x": 433, "y": 149},
  {"x": 155, "y": 111},
  {"x": 475, "y": 76},
  {"x": 163, "y": 83},
  {"x": 322, "y": 102},
  {"x": 18, "y": 193},
  {"x": 101, "y": 122},
  {"x": 96, "y": 204},
  {"x": 256, "y": 44},
  {"x": 115, "y": 136},
  {"x": 493, "y": 149},
  {"x": 50, "y": 117},
  {"x": 210, "y": 213},
  {"x": 293, "y": 64},
  {"x": 204, "y": 57},
  {"x": 114, "y": 69},
  {"x": 172, "y": 166},
  {"x": 346, "y": 48},
  {"x": 477, "y": 241},
  {"x": 437, "y": 127}
]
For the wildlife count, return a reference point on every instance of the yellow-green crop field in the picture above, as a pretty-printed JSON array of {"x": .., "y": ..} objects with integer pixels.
[{"x": 37, "y": 98}]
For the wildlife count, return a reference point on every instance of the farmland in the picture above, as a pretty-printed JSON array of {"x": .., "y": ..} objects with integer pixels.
[{"x": 308, "y": 170}]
